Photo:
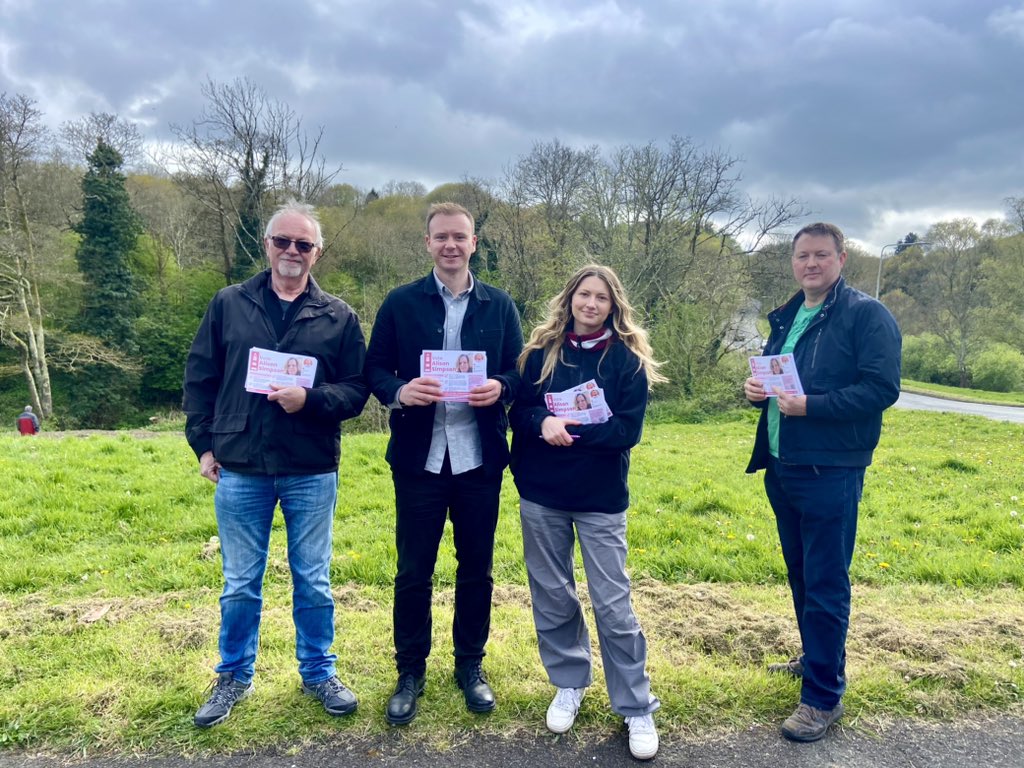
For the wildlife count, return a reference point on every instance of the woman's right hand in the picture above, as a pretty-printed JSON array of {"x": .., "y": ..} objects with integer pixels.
[{"x": 552, "y": 430}]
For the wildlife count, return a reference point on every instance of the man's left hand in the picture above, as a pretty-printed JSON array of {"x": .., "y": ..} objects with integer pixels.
[
  {"x": 486, "y": 394},
  {"x": 791, "y": 405},
  {"x": 292, "y": 399}
]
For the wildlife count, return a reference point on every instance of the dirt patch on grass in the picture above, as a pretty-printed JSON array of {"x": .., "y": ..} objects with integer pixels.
[{"x": 917, "y": 635}]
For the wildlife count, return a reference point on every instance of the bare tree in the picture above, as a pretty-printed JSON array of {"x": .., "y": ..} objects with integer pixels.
[
  {"x": 1015, "y": 212},
  {"x": 670, "y": 218},
  {"x": 82, "y": 135},
  {"x": 245, "y": 153},
  {"x": 22, "y": 138},
  {"x": 554, "y": 177}
]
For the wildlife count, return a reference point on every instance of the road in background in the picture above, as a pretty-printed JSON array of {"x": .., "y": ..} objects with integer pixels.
[{"x": 995, "y": 412}]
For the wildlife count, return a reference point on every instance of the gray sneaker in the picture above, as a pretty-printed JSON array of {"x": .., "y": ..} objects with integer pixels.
[
  {"x": 809, "y": 723},
  {"x": 794, "y": 668},
  {"x": 332, "y": 693},
  {"x": 224, "y": 694}
]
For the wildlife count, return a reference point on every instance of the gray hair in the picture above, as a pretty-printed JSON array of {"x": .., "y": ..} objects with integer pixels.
[{"x": 302, "y": 209}]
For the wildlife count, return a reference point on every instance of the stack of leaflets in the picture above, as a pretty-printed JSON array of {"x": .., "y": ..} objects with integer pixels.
[
  {"x": 458, "y": 370},
  {"x": 584, "y": 403},
  {"x": 777, "y": 371},
  {"x": 284, "y": 369}
]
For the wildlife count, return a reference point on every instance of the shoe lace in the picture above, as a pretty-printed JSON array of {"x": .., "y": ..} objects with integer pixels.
[
  {"x": 641, "y": 724},
  {"x": 474, "y": 673},
  {"x": 329, "y": 687},
  {"x": 567, "y": 698},
  {"x": 809, "y": 715},
  {"x": 222, "y": 691},
  {"x": 406, "y": 682}
]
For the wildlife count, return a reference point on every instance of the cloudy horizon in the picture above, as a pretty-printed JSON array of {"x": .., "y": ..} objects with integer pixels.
[{"x": 881, "y": 117}]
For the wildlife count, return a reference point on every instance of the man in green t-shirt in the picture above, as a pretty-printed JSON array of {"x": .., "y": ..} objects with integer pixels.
[{"x": 814, "y": 449}]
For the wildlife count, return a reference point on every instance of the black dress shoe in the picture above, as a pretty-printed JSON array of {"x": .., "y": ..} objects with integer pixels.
[
  {"x": 402, "y": 704},
  {"x": 479, "y": 696}
]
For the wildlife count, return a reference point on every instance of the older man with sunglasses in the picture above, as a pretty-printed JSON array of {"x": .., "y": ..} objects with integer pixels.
[{"x": 282, "y": 447}]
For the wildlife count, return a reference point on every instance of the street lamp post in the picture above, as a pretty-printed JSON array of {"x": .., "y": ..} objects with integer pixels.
[{"x": 881, "y": 258}]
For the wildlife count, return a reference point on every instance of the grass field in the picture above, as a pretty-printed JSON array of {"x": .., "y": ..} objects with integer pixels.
[{"x": 109, "y": 586}]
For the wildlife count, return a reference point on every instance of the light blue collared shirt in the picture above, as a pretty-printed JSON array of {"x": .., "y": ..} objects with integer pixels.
[{"x": 455, "y": 428}]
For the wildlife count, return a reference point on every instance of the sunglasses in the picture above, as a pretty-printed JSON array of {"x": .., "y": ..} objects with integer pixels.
[{"x": 283, "y": 243}]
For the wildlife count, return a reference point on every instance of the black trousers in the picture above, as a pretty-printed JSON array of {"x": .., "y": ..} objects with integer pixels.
[{"x": 423, "y": 501}]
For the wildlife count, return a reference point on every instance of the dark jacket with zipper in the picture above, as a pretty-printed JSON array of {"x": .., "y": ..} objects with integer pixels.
[
  {"x": 848, "y": 360},
  {"x": 411, "y": 320},
  {"x": 591, "y": 474},
  {"x": 246, "y": 432}
]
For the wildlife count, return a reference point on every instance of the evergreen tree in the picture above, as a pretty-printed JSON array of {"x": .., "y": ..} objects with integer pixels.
[{"x": 109, "y": 229}]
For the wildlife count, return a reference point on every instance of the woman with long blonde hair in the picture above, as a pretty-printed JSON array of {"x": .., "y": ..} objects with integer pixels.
[{"x": 572, "y": 481}]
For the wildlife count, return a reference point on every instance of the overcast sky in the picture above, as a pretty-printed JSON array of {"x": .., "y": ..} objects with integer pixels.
[{"x": 881, "y": 115}]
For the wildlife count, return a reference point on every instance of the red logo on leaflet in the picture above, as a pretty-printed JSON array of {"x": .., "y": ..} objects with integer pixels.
[
  {"x": 427, "y": 358},
  {"x": 254, "y": 361}
]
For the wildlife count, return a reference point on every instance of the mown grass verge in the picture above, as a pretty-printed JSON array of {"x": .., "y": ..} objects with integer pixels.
[
  {"x": 962, "y": 394},
  {"x": 109, "y": 585}
]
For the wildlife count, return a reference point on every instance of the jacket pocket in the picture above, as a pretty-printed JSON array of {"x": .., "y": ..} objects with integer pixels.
[{"x": 230, "y": 439}]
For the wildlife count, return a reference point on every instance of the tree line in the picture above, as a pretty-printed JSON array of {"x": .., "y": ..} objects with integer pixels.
[{"x": 111, "y": 255}]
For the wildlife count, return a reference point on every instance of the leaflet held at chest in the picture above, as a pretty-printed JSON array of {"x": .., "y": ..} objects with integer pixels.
[
  {"x": 285, "y": 369},
  {"x": 458, "y": 370}
]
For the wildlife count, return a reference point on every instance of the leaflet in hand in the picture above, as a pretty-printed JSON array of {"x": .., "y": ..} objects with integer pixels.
[
  {"x": 777, "y": 371},
  {"x": 584, "y": 403},
  {"x": 458, "y": 370},
  {"x": 285, "y": 369}
]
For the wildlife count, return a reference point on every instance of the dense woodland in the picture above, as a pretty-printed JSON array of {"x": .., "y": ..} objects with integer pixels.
[{"x": 112, "y": 246}]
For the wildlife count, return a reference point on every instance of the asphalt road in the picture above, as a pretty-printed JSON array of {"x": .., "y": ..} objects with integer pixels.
[
  {"x": 995, "y": 412},
  {"x": 993, "y": 743}
]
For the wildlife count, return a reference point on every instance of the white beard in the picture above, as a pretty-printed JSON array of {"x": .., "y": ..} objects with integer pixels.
[{"x": 288, "y": 269}]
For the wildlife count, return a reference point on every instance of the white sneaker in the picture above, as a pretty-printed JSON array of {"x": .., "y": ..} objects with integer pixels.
[
  {"x": 643, "y": 737},
  {"x": 562, "y": 712}
]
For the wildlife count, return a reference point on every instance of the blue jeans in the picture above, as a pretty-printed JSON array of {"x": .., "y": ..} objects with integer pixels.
[
  {"x": 816, "y": 514},
  {"x": 245, "y": 508}
]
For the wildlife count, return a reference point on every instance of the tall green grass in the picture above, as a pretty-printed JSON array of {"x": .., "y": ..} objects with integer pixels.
[{"x": 109, "y": 586}]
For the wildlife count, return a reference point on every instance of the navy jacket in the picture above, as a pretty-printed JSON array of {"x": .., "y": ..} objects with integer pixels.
[
  {"x": 591, "y": 474},
  {"x": 849, "y": 364},
  {"x": 246, "y": 432},
  {"x": 411, "y": 320}
]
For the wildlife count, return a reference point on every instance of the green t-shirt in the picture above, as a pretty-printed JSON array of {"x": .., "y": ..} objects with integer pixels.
[{"x": 800, "y": 323}]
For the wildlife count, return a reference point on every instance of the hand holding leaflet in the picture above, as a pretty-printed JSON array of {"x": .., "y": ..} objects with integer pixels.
[
  {"x": 459, "y": 371},
  {"x": 283, "y": 369},
  {"x": 584, "y": 403},
  {"x": 776, "y": 371}
]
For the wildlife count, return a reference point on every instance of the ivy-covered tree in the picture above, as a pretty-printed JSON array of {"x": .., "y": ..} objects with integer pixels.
[{"x": 109, "y": 229}]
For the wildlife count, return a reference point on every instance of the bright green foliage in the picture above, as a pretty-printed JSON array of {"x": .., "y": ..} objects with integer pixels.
[
  {"x": 998, "y": 368},
  {"x": 927, "y": 358},
  {"x": 109, "y": 229}
]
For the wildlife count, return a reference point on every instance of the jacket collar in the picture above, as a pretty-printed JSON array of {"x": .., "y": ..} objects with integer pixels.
[
  {"x": 429, "y": 286},
  {"x": 790, "y": 307}
]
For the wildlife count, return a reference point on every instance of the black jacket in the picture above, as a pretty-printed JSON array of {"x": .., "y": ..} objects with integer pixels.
[
  {"x": 849, "y": 365},
  {"x": 410, "y": 320},
  {"x": 591, "y": 474},
  {"x": 245, "y": 431}
]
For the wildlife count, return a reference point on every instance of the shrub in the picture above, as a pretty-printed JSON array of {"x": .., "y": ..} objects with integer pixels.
[
  {"x": 927, "y": 358},
  {"x": 998, "y": 368}
]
